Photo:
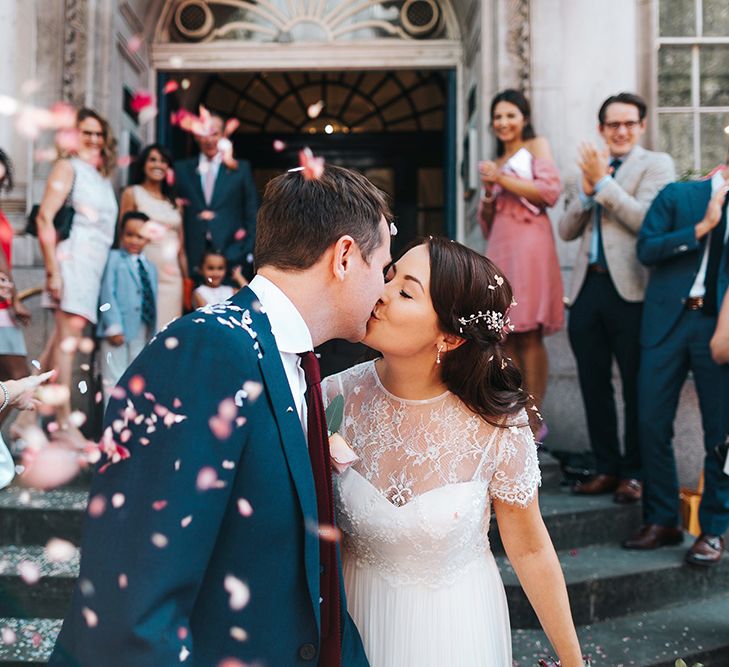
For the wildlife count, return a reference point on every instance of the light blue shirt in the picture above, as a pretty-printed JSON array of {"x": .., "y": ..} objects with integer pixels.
[{"x": 588, "y": 202}]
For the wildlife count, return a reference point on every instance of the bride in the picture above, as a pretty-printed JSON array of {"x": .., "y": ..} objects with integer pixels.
[{"x": 441, "y": 431}]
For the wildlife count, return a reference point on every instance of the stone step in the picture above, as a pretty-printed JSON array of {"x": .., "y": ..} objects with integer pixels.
[
  {"x": 48, "y": 597},
  {"x": 697, "y": 631},
  {"x": 605, "y": 581},
  {"x": 577, "y": 521},
  {"x": 32, "y": 517},
  {"x": 34, "y": 640}
]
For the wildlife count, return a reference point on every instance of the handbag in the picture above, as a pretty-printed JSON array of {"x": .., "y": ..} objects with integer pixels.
[{"x": 62, "y": 221}]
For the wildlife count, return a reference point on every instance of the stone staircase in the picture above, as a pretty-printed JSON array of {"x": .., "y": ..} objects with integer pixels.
[{"x": 631, "y": 608}]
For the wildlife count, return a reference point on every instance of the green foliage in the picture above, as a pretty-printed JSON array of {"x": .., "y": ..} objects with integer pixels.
[{"x": 335, "y": 413}]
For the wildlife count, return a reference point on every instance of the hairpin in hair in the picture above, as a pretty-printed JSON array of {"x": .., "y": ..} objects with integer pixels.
[{"x": 494, "y": 320}]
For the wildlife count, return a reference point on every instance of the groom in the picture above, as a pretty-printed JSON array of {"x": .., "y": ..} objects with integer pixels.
[{"x": 203, "y": 545}]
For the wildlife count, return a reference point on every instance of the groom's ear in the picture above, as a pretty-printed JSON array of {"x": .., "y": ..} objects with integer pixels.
[{"x": 344, "y": 251}]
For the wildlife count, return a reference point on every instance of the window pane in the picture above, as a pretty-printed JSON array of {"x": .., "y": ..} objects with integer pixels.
[
  {"x": 674, "y": 76},
  {"x": 716, "y": 18},
  {"x": 677, "y": 18},
  {"x": 676, "y": 137},
  {"x": 714, "y": 68},
  {"x": 713, "y": 139}
]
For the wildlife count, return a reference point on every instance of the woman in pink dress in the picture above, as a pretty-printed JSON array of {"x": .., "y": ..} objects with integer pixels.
[{"x": 519, "y": 186}]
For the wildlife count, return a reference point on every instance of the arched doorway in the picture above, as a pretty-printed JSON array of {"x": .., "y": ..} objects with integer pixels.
[{"x": 384, "y": 74}]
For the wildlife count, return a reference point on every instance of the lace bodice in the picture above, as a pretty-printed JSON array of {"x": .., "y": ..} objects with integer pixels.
[{"x": 417, "y": 502}]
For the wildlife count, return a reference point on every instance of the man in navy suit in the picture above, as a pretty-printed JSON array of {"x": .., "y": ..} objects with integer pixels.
[
  {"x": 202, "y": 538},
  {"x": 221, "y": 203},
  {"x": 684, "y": 240}
]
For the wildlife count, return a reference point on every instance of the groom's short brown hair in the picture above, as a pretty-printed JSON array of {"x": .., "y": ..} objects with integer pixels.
[{"x": 299, "y": 218}]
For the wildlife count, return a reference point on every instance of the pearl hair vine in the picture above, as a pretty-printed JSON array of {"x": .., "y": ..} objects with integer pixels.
[{"x": 495, "y": 321}]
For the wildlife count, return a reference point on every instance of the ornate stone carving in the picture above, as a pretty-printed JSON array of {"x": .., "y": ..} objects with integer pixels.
[
  {"x": 518, "y": 42},
  {"x": 74, "y": 51}
]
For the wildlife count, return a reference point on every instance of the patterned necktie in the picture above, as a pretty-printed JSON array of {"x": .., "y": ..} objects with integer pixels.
[
  {"x": 600, "y": 252},
  {"x": 318, "y": 438},
  {"x": 149, "y": 308},
  {"x": 716, "y": 248}
]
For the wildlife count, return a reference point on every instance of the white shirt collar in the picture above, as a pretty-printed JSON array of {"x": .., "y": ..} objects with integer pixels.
[
  {"x": 717, "y": 180},
  {"x": 288, "y": 327},
  {"x": 216, "y": 160}
]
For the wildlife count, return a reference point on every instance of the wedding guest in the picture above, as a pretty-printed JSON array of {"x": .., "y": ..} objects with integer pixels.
[
  {"x": 213, "y": 271},
  {"x": 220, "y": 202},
  {"x": 684, "y": 241},
  {"x": 13, "y": 361},
  {"x": 128, "y": 317},
  {"x": 616, "y": 186},
  {"x": 720, "y": 339},
  {"x": 151, "y": 191},
  {"x": 518, "y": 188},
  {"x": 74, "y": 266}
]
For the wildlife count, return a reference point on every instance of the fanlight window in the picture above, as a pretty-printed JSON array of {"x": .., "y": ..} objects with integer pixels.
[
  {"x": 304, "y": 20},
  {"x": 330, "y": 102}
]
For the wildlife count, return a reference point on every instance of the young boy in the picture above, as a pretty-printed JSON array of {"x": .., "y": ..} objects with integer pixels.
[{"x": 128, "y": 302}]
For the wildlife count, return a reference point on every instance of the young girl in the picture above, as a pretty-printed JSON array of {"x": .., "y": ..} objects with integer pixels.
[{"x": 213, "y": 269}]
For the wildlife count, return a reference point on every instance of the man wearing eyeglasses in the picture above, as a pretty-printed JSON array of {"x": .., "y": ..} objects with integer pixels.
[{"x": 617, "y": 184}]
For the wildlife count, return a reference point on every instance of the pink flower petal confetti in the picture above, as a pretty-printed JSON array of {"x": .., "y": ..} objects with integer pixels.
[
  {"x": 279, "y": 145},
  {"x": 312, "y": 167},
  {"x": 92, "y": 620},
  {"x": 239, "y": 634},
  {"x": 329, "y": 533},
  {"x": 141, "y": 100},
  {"x": 49, "y": 467},
  {"x": 97, "y": 506},
  {"x": 159, "y": 505},
  {"x": 136, "y": 385},
  {"x": 170, "y": 87},
  {"x": 253, "y": 389},
  {"x": 29, "y": 572},
  {"x": 231, "y": 662},
  {"x": 186, "y": 521},
  {"x": 59, "y": 551},
  {"x": 134, "y": 43},
  {"x": 220, "y": 427},
  {"x": 314, "y": 110},
  {"x": 123, "y": 581},
  {"x": 244, "y": 507},
  {"x": 206, "y": 479},
  {"x": 8, "y": 636},
  {"x": 159, "y": 540},
  {"x": 184, "y": 654},
  {"x": 239, "y": 592}
]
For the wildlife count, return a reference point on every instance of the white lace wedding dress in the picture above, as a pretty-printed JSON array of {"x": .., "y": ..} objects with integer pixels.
[{"x": 422, "y": 585}]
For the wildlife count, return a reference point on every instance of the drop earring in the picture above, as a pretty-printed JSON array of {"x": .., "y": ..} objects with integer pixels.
[{"x": 437, "y": 358}]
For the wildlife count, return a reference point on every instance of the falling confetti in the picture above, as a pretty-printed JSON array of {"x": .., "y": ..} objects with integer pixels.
[
  {"x": 136, "y": 385},
  {"x": 244, "y": 507},
  {"x": 206, "y": 479},
  {"x": 123, "y": 581},
  {"x": 279, "y": 145},
  {"x": 171, "y": 343},
  {"x": 315, "y": 109},
  {"x": 170, "y": 87},
  {"x": 92, "y": 620},
  {"x": 393, "y": 229},
  {"x": 29, "y": 572},
  {"x": 239, "y": 634},
  {"x": 59, "y": 551},
  {"x": 312, "y": 167},
  {"x": 36, "y": 364},
  {"x": 159, "y": 540},
  {"x": 97, "y": 506},
  {"x": 83, "y": 387},
  {"x": 8, "y": 636},
  {"x": 118, "y": 500},
  {"x": 134, "y": 43},
  {"x": 239, "y": 593}
]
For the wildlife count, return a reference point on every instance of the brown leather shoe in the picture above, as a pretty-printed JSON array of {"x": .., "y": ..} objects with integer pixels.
[
  {"x": 706, "y": 551},
  {"x": 597, "y": 485},
  {"x": 652, "y": 536},
  {"x": 629, "y": 491}
]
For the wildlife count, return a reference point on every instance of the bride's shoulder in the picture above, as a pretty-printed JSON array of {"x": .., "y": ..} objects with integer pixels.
[{"x": 350, "y": 380}]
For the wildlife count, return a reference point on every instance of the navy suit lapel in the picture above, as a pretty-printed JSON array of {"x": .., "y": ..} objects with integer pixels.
[
  {"x": 700, "y": 201},
  {"x": 292, "y": 436},
  {"x": 195, "y": 183}
]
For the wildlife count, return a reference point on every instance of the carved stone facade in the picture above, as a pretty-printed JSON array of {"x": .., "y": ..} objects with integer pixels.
[{"x": 75, "y": 51}]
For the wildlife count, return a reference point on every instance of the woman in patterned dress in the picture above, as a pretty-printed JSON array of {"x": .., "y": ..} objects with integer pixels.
[{"x": 74, "y": 266}]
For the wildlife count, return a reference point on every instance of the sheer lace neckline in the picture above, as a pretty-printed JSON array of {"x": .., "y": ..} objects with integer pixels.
[{"x": 405, "y": 401}]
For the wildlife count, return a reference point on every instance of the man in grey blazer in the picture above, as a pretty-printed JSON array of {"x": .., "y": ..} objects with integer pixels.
[{"x": 616, "y": 188}]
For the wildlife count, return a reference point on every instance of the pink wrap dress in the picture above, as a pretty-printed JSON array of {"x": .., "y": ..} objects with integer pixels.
[{"x": 521, "y": 244}]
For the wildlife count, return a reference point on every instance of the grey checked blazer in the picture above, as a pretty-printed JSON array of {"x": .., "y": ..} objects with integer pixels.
[{"x": 625, "y": 201}]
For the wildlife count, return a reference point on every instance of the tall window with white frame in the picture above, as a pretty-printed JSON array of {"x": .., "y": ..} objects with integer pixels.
[{"x": 693, "y": 82}]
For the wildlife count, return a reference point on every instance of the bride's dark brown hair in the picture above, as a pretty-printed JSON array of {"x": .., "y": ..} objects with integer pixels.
[{"x": 462, "y": 283}]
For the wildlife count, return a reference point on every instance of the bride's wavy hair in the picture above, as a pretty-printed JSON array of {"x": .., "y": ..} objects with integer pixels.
[{"x": 463, "y": 284}]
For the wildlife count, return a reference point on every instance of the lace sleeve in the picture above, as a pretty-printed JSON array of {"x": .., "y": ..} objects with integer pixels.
[{"x": 516, "y": 474}]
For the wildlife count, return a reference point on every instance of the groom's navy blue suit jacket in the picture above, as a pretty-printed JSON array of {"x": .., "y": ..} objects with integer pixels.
[{"x": 156, "y": 561}]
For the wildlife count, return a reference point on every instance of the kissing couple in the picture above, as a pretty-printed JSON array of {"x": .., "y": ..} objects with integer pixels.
[{"x": 210, "y": 538}]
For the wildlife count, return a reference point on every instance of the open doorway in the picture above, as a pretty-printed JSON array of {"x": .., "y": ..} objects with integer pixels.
[{"x": 394, "y": 126}]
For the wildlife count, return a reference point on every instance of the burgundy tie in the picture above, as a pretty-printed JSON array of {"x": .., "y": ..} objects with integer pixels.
[{"x": 318, "y": 437}]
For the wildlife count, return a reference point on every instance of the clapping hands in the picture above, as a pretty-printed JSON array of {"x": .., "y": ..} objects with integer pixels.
[{"x": 594, "y": 164}]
